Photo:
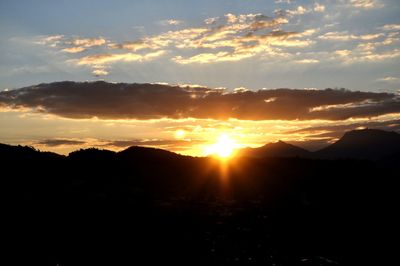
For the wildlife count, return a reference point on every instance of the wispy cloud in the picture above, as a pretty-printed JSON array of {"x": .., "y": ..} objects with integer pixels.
[
  {"x": 80, "y": 45},
  {"x": 389, "y": 79},
  {"x": 319, "y": 7},
  {"x": 170, "y": 22},
  {"x": 102, "y": 59},
  {"x": 74, "y": 50},
  {"x": 391, "y": 27},
  {"x": 51, "y": 40},
  {"x": 345, "y": 36},
  {"x": 100, "y": 71},
  {"x": 87, "y": 42},
  {"x": 164, "y": 143},
  {"x": 300, "y": 10},
  {"x": 71, "y": 45},
  {"x": 308, "y": 61},
  {"x": 283, "y": 1},
  {"x": 99, "y": 62},
  {"x": 366, "y": 4},
  {"x": 238, "y": 37},
  {"x": 221, "y": 39}
]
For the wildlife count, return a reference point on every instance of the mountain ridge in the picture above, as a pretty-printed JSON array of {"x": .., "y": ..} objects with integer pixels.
[
  {"x": 370, "y": 144},
  {"x": 275, "y": 149}
]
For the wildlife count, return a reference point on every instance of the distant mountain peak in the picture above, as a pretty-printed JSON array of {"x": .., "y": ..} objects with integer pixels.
[
  {"x": 368, "y": 132},
  {"x": 363, "y": 144},
  {"x": 275, "y": 149},
  {"x": 141, "y": 152}
]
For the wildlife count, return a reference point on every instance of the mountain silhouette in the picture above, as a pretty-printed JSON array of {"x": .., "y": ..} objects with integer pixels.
[
  {"x": 99, "y": 207},
  {"x": 25, "y": 152},
  {"x": 147, "y": 153},
  {"x": 369, "y": 144},
  {"x": 91, "y": 153},
  {"x": 277, "y": 149}
]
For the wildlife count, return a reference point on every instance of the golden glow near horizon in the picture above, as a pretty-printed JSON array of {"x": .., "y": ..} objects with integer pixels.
[
  {"x": 223, "y": 148},
  {"x": 64, "y": 135}
]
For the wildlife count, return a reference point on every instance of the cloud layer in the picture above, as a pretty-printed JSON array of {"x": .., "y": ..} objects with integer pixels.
[
  {"x": 153, "y": 101},
  {"x": 291, "y": 34}
]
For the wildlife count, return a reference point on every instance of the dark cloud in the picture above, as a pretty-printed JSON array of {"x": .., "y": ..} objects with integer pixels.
[
  {"x": 60, "y": 142},
  {"x": 152, "y": 101},
  {"x": 141, "y": 142}
]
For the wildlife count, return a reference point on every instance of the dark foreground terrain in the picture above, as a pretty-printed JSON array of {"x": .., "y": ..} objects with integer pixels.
[{"x": 145, "y": 206}]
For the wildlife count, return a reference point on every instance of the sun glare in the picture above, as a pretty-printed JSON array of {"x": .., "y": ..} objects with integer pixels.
[
  {"x": 180, "y": 134},
  {"x": 223, "y": 148}
]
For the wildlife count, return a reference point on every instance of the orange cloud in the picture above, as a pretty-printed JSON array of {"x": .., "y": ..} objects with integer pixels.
[
  {"x": 80, "y": 45},
  {"x": 73, "y": 50}
]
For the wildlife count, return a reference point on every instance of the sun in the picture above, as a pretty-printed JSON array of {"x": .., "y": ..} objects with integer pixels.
[
  {"x": 180, "y": 134},
  {"x": 224, "y": 147}
]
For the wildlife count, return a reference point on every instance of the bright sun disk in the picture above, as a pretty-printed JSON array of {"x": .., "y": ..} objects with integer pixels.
[{"x": 224, "y": 147}]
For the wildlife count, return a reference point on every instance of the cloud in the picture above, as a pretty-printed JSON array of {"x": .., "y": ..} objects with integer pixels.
[
  {"x": 151, "y": 143},
  {"x": 391, "y": 27},
  {"x": 80, "y": 45},
  {"x": 135, "y": 45},
  {"x": 345, "y": 36},
  {"x": 389, "y": 79},
  {"x": 170, "y": 22},
  {"x": 211, "y": 58},
  {"x": 154, "y": 101},
  {"x": 74, "y": 50},
  {"x": 307, "y": 61},
  {"x": 228, "y": 38},
  {"x": 379, "y": 56},
  {"x": 367, "y": 48},
  {"x": 319, "y": 8},
  {"x": 224, "y": 39},
  {"x": 51, "y": 40},
  {"x": 300, "y": 10},
  {"x": 71, "y": 45},
  {"x": 343, "y": 52},
  {"x": 238, "y": 37},
  {"x": 100, "y": 72},
  {"x": 101, "y": 59},
  {"x": 87, "y": 42},
  {"x": 100, "y": 62},
  {"x": 283, "y": 1},
  {"x": 60, "y": 142},
  {"x": 366, "y": 4},
  {"x": 209, "y": 21}
]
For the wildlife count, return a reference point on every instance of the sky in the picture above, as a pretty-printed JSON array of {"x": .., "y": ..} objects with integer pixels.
[{"x": 177, "y": 74}]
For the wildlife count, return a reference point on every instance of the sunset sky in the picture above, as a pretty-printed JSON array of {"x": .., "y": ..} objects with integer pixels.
[{"x": 178, "y": 74}]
